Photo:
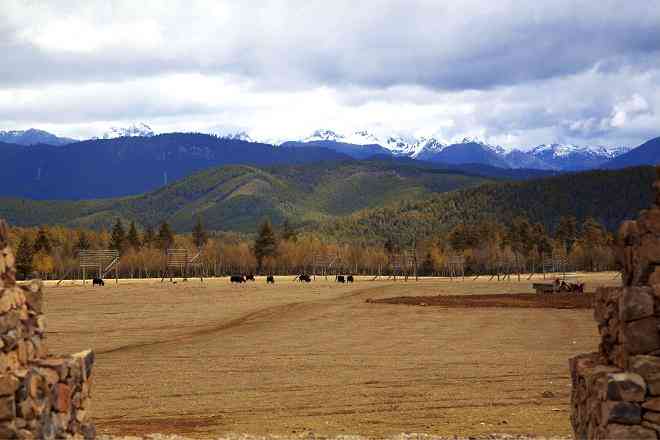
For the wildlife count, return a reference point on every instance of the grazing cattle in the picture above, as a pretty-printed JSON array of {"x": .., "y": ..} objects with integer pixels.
[
  {"x": 270, "y": 279},
  {"x": 304, "y": 277},
  {"x": 249, "y": 278},
  {"x": 349, "y": 279},
  {"x": 97, "y": 281},
  {"x": 340, "y": 279},
  {"x": 237, "y": 279}
]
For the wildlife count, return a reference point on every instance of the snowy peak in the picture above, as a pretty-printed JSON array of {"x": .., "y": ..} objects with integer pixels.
[
  {"x": 239, "y": 136},
  {"x": 32, "y": 136},
  {"x": 139, "y": 129},
  {"x": 324, "y": 135},
  {"x": 565, "y": 150}
]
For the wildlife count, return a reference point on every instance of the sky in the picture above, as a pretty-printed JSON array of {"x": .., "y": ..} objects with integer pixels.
[{"x": 512, "y": 73}]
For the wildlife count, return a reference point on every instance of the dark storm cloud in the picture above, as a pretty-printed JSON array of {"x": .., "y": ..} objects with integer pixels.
[{"x": 447, "y": 46}]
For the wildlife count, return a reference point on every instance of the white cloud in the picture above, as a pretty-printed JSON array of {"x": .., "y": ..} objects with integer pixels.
[{"x": 513, "y": 72}]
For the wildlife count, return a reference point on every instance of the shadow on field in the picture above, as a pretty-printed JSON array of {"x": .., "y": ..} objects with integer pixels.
[{"x": 519, "y": 300}]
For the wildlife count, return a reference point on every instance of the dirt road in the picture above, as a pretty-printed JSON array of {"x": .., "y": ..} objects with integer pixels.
[{"x": 203, "y": 360}]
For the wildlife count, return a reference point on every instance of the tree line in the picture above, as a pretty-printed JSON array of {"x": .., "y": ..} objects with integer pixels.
[{"x": 487, "y": 247}]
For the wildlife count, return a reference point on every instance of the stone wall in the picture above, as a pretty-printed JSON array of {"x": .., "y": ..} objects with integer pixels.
[
  {"x": 616, "y": 391},
  {"x": 41, "y": 396}
]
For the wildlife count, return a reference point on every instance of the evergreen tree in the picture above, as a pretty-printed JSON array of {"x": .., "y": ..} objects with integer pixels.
[
  {"x": 199, "y": 234},
  {"x": 149, "y": 237},
  {"x": 42, "y": 243},
  {"x": 266, "y": 244},
  {"x": 24, "y": 254},
  {"x": 567, "y": 232},
  {"x": 82, "y": 244},
  {"x": 165, "y": 236},
  {"x": 133, "y": 238},
  {"x": 118, "y": 236}
]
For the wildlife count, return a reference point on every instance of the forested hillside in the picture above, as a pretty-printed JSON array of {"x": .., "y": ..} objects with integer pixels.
[
  {"x": 608, "y": 196},
  {"x": 238, "y": 197}
]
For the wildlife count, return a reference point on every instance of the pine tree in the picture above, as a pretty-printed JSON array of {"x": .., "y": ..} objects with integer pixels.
[
  {"x": 24, "y": 254},
  {"x": 42, "y": 243},
  {"x": 266, "y": 244},
  {"x": 82, "y": 244},
  {"x": 149, "y": 237},
  {"x": 165, "y": 236},
  {"x": 567, "y": 232},
  {"x": 133, "y": 239},
  {"x": 118, "y": 236},
  {"x": 199, "y": 234}
]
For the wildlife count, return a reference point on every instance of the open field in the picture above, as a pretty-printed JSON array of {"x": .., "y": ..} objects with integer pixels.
[{"x": 206, "y": 359}]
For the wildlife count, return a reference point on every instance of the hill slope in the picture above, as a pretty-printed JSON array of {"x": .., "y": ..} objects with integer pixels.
[
  {"x": 238, "y": 197},
  {"x": 608, "y": 196},
  {"x": 646, "y": 154}
]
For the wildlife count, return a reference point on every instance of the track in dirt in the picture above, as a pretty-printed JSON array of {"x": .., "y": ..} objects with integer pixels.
[{"x": 521, "y": 300}]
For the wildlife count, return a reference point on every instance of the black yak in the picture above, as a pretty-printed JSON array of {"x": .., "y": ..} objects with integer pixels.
[
  {"x": 237, "y": 279},
  {"x": 97, "y": 281}
]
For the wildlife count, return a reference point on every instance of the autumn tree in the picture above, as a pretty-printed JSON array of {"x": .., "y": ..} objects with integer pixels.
[
  {"x": 42, "y": 242},
  {"x": 149, "y": 237},
  {"x": 288, "y": 233},
  {"x": 265, "y": 244}
]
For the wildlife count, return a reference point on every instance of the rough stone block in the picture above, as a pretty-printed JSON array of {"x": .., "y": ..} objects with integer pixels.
[
  {"x": 641, "y": 337},
  {"x": 636, "y": 303},
  {"x": 62, "y": 397},
  {"x": 626, "y": 413},
  {"x": 8, "y": 385},
  {"x": 616, "y": 431},
  {"x": 652, "y": 416},
  {"x": 628, "y": 387},
  {"x": 7, "y": 408}
]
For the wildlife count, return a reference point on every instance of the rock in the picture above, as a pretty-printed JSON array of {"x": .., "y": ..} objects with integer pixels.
[
  {"x": 8, "y": 385},
  {"x": 641, "y": 337},
  {"x": 34, "y": 296},
  {"x": 649, "y": 368},
  {"x": 628, "y": 387},
  {"x": 7, "y": 408},
  {"x": 636, "y": 303},
  {"x": 62, "y": 397},
  {"x": 616, "y": 431},
  {"x": 625, "y": 413},
  {"x": 652, "y": 404},
  {"x": 649, "y": 425},
  {"x": 86, "y": 361},
  {"x": 653, "y": 417}
]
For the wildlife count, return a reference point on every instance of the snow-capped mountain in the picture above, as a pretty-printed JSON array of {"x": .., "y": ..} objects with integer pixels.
[
  {"x": 32, "y": 136},
  {"x": 238, "y": 136},
  {"x": 560, "y": 157},
  {"x": 139, "y": 129},
  {"x": 564, "y": 157}
]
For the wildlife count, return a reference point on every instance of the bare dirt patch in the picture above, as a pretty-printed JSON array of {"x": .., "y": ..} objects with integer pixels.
[{"x": 520, "y": 300}]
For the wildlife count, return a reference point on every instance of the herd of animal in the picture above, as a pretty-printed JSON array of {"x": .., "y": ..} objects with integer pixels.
[{"x": 270, "y": 279}]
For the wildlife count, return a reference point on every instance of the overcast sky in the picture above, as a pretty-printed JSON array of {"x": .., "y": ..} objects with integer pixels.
[{"x": 514, "y": 73}]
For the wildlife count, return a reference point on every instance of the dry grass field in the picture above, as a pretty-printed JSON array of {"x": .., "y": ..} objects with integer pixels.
[{"x": 206, "y": 359}]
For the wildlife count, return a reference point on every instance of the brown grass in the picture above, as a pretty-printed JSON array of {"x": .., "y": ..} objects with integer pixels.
[{"x": 203, "y": 360}]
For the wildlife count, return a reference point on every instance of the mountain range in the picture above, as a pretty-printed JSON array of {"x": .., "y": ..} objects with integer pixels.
[{"x": 363, "y": 144}]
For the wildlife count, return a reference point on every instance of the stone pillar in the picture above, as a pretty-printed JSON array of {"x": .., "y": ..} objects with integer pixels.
[
  {"x": 41, "y": 396},
  {"x": 616, "y": 391}
]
